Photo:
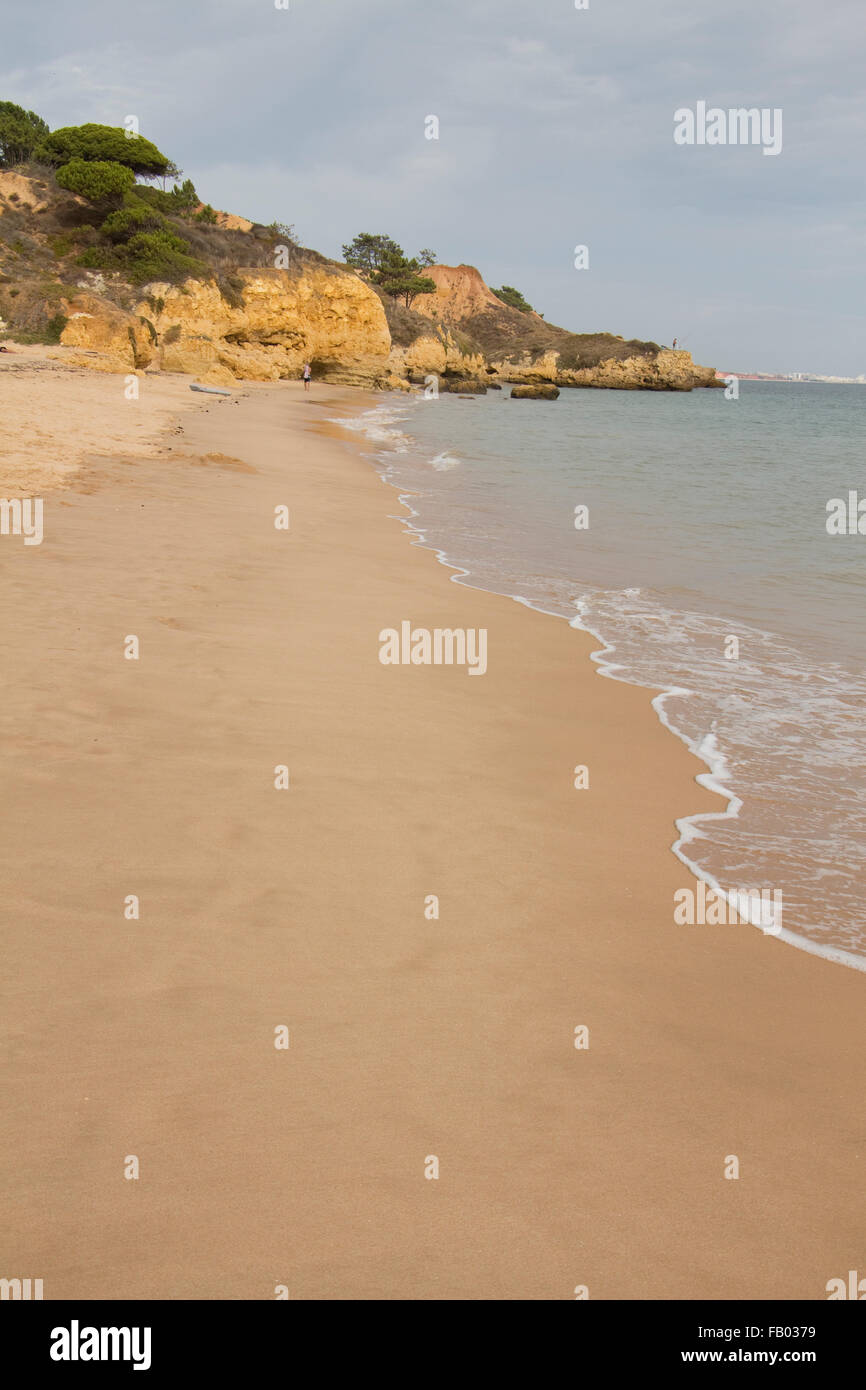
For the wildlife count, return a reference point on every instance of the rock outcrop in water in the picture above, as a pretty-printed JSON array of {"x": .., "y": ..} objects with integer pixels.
[{"x": 542, "y": 392}]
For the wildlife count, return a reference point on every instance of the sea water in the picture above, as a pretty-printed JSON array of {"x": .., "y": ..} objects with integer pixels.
[{"x": 707, "y": 521}]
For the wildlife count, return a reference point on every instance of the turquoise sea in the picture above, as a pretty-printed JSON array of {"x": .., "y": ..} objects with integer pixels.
[{"x": 706, "y": 522}]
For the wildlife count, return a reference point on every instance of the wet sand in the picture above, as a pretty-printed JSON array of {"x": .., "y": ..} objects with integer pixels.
[{"x": 409, "y": 1037}]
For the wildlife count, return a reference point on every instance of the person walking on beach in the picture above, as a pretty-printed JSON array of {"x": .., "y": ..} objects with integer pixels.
[{"x": 308, "y": 373}]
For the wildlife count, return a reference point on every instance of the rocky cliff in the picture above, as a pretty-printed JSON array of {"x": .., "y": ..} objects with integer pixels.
[
  {"x": 277, "y": 321},
  {"x": 521, "y": 347},
  {"x": 243, "y": 320}
]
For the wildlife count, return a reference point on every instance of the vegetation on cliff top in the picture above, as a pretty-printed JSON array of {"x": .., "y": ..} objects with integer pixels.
[
  {"x": 125, "y": 232},
  {"x": 104, "y": 143},
  {"x": 506, "y": 329},
  {"x": 385, "y": 265},
  {"x": 96, "y": 180},
  {"x": 125, "y": 227},
  {"x": 20, "y": 133},
  {"x": 513, "y": 298}
]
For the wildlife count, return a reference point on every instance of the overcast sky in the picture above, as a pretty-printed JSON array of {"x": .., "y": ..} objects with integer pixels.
[{"x": 555, "y": 129}]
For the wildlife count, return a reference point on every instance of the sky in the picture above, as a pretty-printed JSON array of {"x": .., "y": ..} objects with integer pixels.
[{"x": 555, "y": 129}]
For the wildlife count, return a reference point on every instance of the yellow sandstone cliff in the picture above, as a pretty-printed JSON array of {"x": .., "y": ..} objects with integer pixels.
[
  {"x": 520, "y": 346},
  {"x": 335, "y": 321},
  {"x": 258, "y": 323},
  {"x": 666, "y": 370},
  {"x": 279, "y": 320}
]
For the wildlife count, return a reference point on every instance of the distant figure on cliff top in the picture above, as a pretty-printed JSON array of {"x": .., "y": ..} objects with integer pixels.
[
  {"x": 675, "y": 344},
  {"x": 308, "y": 372}
]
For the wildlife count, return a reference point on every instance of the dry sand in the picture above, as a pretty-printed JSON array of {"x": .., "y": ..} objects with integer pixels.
[
  {"x": 408, "y": 1037},
  {"x": 53, "y": 415}
]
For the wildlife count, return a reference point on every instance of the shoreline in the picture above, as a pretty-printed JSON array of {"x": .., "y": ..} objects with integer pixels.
[
  {"x": 410, "y": 1036},
  {"x": 715, "y": 762}
]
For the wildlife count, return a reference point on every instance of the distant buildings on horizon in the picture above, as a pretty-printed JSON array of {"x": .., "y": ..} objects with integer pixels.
[{"x": 793, "y": 376}]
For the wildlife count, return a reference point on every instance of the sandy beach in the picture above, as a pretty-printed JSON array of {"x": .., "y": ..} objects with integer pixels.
[
  {"x": 58, "y": 417},
  {"x": 410, "y": 1036}
]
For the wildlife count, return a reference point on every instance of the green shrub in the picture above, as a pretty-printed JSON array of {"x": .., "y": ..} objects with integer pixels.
[
  {"x": 284, "y": 230},
  {"x": 95, "y": 258},
  {"x": 231, "y": 287},
  {"x": 133, "y": 217},
  {"x": 102, "y": 144},
  {"x": 162, "y": 241},
  {"x": 179, "y": 201},
  {"x": 206, "y": 214},
  {"x": 513, "y": 298},
  {"x": 61, "y": 245},
  {"x": 155, "y": 198},
  {"x": 97, "y": 180},
  {"x": 184, "y": 197},
  {"x": 159, "y": 255},
  {"x": 52, "y": 290},
  {"x": 55, "y": 327}
]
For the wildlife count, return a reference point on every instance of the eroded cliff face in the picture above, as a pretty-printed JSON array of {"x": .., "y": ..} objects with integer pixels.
[
  {"x": 434, "y": 354},
  {"x": 257, "y": 323},
  {"x": 669, "y": 370},
  {"x": 278, "y": 320},
  {"x": 521, "y": 347},
  {"x": 666, "y": 370},
  {"x": 460, "y": 295}
]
